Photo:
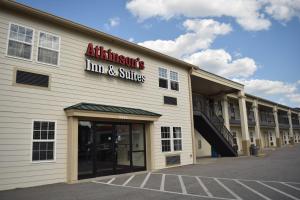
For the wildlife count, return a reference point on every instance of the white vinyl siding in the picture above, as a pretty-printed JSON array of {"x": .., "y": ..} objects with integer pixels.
[{"x": 71, "y": 84}]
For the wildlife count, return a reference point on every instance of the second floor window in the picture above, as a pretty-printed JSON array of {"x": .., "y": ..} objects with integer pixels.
[
  {"x": 163, "y": 78},
  {"x": 20, "y": 41},
  {"x": 174, "y": 80},
  {"x": 48, "y": 50}
]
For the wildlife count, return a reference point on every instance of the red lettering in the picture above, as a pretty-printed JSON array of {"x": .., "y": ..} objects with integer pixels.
[
  {"x": 100, "y": 53},
  {"x": 90, "y": 50},
  {"x": 141, "y": 65}
]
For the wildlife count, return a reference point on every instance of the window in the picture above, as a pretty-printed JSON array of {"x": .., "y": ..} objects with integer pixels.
[
  {"x": 48, "y": 51},
  {"x": 199, "y": 144},
  {"x": 168, "y": 139},
  {"x": 165, "y": 139},
  {"x": 163, "y": 78},
  {"x": 34, "y": 79},
  {"x": 251, "y": 137},
  {"x": 20, "y": 41},
  {"x": 234, "y": 138},
  {"x": 43, "y": 140},
  {"x": 174, "y": 81},
  {"x": 170, "y": 100},
  {"x": 177, "y": 138}
]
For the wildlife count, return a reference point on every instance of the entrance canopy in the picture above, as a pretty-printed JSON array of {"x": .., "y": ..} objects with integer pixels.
[
  {"x": 110, "y": 112},
  {"x": 212, "y": 85}
]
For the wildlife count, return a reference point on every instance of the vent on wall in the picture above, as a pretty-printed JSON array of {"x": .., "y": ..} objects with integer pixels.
[
  {"x": 170, "y": 100},
  {"x": 29, "y": 78},
  {"x": 173, "y": 160}
]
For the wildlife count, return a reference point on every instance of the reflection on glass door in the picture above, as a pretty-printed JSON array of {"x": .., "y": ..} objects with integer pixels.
[
  {"x": 122, "y": 147},
  {"x": 104, "y": 149},
  {"x": 85, "y": 149},
  {"x": 138, "y": 147}
]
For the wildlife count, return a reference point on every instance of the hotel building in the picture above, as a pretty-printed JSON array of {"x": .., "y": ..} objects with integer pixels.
[{"x": 77, "y": 103}]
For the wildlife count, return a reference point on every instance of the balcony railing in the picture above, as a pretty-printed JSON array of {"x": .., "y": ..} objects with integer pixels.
[
  {"x": 296, "y": 123},
  {"x": 267, "y": 119},
  {"x": 283, "y": 121}
]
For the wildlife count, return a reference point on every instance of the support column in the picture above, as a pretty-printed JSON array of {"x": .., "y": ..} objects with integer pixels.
[
  {"x": 291, "y": 133},
  {"x": 277, "y": 132},
  {"x": 244, "y": 123},
  {"x": 72, "y": 165},
  {"x": 225, "y": 112},
  {"x": 257, "y": 125}
]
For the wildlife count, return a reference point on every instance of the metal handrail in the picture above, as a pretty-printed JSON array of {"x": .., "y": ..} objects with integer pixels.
[{"x": 200, "y": 105}]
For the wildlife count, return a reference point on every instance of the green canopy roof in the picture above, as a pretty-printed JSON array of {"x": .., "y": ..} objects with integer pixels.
[{"x": 110, "y": 109}]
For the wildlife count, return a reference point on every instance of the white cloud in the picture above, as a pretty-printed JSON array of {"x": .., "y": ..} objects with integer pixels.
[
  {"x": 246, "y": 12},
  {"x": 131, "y": 39},
  {"x": 268, "y": 87},
  {"x": 286, "y": 93},
  {"x": 298, "y": 82},
  {"x": 200, "y": 35},
  {"x": 220, "y": 62},
  {"x": 115, "y": 21},
  {"x": 295, "y": 98},
  {"x": 283, "y": 10},
  {"x": 112, "y": 22}
]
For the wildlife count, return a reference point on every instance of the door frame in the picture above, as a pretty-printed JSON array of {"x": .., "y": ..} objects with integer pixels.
[{"x": 114, "y": 136}]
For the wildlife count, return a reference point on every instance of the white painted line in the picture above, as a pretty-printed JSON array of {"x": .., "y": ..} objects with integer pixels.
[
  {"x": 170, "y": 192},
  {"x": 162, "y": 184},
  {"x": 279, "y": 191},
  {"x": 128, "y": 180},
  {"x": 252, "y": 190},
  {"x": 204, "y": 187},
  {"x": 228, "y": 190},
  {"x": 220, "y": 178},
  {"x": 111, "y": 180},
  {"x": 291, "y": 186},
  {"x": 183, "y": 189},
  {"x": 145, "y": 180}
]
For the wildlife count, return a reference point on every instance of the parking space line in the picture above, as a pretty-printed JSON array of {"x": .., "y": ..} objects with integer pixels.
[
  {"x": 228, "y": 190},
  {"x": 277, "y": 190},
  {"x": 128, "y": 180},
  {"x": 145, "y": 180},
  {"x": 183, "y": 189},
  {"x": 252, "y": 190},
  {"x": 203, "y": 187},
  {"x": 111, "y": 180},
  {"x": 291, "y": 186},
  {"x": 162, "y": 184},
  {"x": 220, "y": 178},
  {"x": 170, "y": 192}
]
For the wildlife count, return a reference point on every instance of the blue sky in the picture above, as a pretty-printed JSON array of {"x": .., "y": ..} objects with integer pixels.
[{"x": 255, "y": 42}]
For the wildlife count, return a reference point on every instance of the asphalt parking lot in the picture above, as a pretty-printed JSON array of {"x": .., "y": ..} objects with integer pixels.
[{"x": 275, "y": 176}]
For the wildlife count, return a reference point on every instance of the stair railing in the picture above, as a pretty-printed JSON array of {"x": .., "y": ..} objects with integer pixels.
[{"x": 201, "y": 106}]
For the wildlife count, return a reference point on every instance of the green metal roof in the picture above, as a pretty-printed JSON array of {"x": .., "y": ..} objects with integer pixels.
[{"x": 111, "y": 109}]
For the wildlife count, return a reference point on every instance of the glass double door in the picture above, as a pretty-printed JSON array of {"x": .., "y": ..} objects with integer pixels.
[{"x": 110, "y": 148}]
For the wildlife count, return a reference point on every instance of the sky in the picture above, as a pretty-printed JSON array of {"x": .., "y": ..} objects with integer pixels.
[{"x": 254, "y": 42}]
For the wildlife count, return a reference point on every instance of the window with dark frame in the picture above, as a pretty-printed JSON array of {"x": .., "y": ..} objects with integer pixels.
[
  {"x": 163, "y": 78},
  {"x": 43, "y": 142},
  {"x": 170, "y": 100},
  {"x": 165, "y": 139},
  {"x": 20, "y": 41},
  {"x": 34, "y": 79}
]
